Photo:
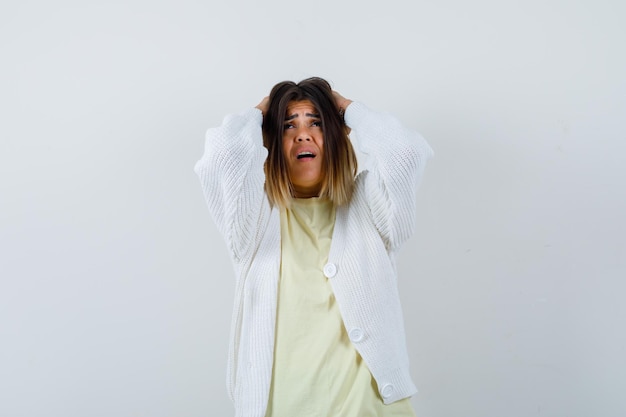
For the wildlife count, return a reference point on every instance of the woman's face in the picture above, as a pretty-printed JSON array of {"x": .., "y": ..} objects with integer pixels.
[{"x": 303, "y": 148}]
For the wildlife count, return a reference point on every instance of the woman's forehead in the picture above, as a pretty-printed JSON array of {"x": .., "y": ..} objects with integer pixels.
[{"x": 301, "y": 107}]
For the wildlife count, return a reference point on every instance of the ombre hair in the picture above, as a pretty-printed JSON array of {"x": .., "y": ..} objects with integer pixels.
[{"x": 339, "y": 164}]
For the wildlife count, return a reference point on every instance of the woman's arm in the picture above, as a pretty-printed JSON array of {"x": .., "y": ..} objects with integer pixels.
[
  {"x": 395, "y": 161},
  {"x": 232, "y": 178}
]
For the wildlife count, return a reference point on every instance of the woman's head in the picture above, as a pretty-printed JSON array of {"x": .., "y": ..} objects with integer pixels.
[{"x": 309, "y": 152}]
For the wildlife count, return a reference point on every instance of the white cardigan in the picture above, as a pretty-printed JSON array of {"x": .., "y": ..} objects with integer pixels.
[{"x": 361, "y": 265}]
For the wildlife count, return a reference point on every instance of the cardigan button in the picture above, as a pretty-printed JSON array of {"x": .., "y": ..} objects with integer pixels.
[
  {"x": 387, "y": 391},
  {"x": 330, "y": 270},
  {"x": 356, "y": 334}
]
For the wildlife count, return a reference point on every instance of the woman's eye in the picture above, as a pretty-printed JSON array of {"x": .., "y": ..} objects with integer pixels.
[
  {"x": 317, "y": 123},
  {"x": 288, "y": 126}
]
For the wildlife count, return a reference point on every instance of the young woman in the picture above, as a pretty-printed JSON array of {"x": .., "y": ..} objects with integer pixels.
[{"x": 317, "y": 327}]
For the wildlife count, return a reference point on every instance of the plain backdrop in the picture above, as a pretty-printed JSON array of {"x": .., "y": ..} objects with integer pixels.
[{"x": 116, "y": 289}]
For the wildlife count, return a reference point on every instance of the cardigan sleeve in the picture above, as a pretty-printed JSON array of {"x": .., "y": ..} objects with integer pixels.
[
  {"x": 232, "y": 178},
  {"x": 394, "y": 164}
]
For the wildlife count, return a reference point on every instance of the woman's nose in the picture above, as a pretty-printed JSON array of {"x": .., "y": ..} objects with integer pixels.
[{"x": 303, "y": 135}]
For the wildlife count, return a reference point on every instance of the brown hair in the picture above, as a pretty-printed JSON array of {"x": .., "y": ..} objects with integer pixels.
[{"x": 339, "y": 163}]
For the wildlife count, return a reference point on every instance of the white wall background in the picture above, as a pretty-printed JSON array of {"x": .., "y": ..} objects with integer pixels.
[{"x": 116, "y": 290}]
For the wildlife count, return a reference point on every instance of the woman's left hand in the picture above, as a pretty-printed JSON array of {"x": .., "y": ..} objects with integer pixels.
[{"x": 341, "y": 102}]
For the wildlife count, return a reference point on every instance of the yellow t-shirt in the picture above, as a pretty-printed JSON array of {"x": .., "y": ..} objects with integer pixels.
[{"x": 317, "y": 371}]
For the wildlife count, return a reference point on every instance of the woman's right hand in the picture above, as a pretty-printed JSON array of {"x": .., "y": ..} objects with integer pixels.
[{"x": 263, "y": 105}]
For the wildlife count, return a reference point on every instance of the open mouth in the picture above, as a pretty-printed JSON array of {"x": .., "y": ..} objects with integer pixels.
[{"x": 306, "y": 154}]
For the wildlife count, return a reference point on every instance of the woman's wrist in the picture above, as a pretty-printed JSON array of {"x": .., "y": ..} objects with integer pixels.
[
  {"x": 343, "y": 106},
  {"x": 263, "y": 105},
  {"x": 341, "y": 102}
]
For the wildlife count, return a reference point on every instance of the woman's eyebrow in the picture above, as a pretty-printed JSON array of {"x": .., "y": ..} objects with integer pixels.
[{"x": 293, "y": 116}]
